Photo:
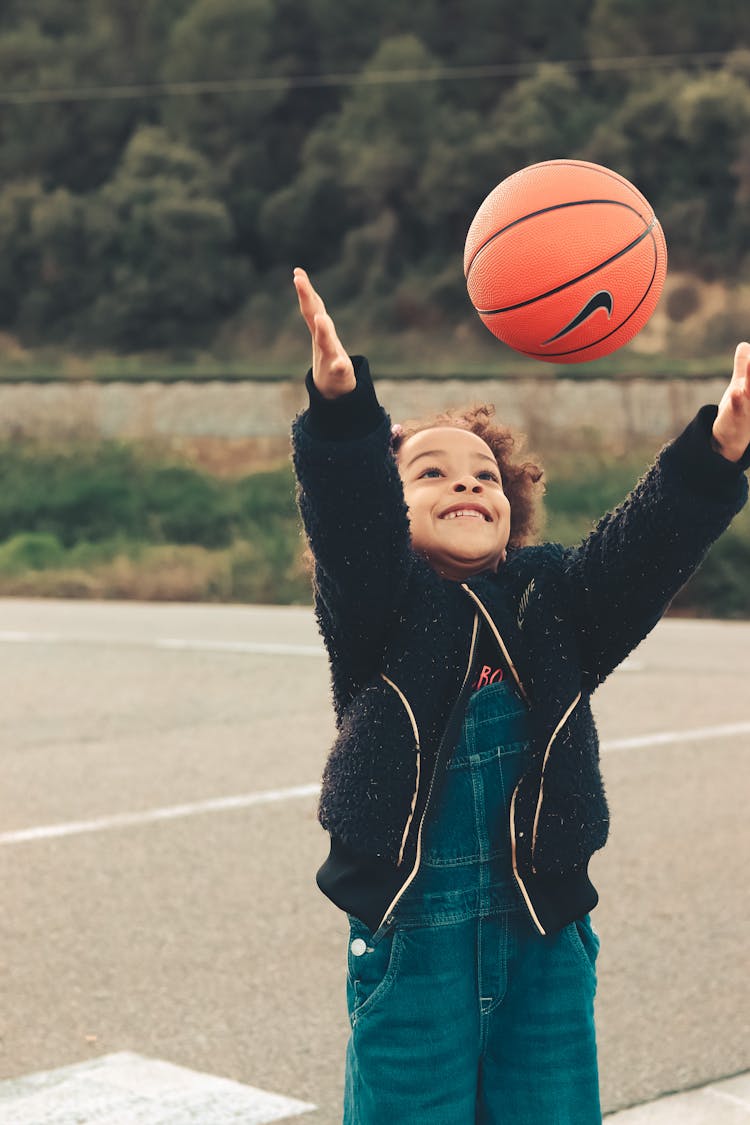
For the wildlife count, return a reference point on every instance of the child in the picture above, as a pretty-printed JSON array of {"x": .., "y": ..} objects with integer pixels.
[{"x": 463, "y": 795}]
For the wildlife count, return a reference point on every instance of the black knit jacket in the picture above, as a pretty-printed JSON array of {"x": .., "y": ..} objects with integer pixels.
[{"x": 403, "y": 643}]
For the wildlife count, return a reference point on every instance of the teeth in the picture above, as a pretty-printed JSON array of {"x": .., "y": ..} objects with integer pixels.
[{"x": 464, "y": 512}]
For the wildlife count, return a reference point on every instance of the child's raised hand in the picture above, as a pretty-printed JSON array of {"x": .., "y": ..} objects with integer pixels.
[
  {"x": 333, "y": 371},
  {"x": 731, "y": 429}
]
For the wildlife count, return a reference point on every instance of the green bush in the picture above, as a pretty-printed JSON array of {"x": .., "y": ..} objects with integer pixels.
[
  {"x": 97, "y": 492},
  {"x": 719, "y": 588},
  {"x": 583, "y": 489},
  {"x": 31, "y": 551},
  {"x": 113, "y": 520}
]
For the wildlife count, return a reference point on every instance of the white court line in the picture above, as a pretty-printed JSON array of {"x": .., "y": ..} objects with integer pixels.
[
  {"x": 148, "y": 816},
  {"x": 246, "y": 800},
  {"x": 261, "y": 648},
  {"x": 126, "y": 1087},
  {"x": 17, "y": 637},
  {"x": 175, "y": 643},
  {"x": 698, "y": 734},
  {"x": 710, "y": 1090},
  {"x": 241, "y": 646},
  {"x": 716, "y": 1104}
]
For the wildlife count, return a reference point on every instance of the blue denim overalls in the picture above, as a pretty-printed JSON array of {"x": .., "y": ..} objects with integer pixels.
[{"x": 463, "y": 1013}]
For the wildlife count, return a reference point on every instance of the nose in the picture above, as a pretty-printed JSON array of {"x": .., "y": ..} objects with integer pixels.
[{"x": 474, "y": 484}]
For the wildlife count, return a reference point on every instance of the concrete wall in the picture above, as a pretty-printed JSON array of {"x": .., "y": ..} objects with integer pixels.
[{"x": 238, "y": 426}]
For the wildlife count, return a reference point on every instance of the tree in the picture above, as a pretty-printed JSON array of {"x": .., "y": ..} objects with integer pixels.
[
  {"x": 65, "y": 277},
  {"x": 680, "y": 138},
  {"x": 19, "y": 257},
  {"x": 384, "y": 130},
  {"x": 358, "y": 166},
  {"x": 545, "y": 116},
  {"x": 160, "y": 244},
  {"x": 219, "y": 40},
  {"x": 643, "y": 27}
]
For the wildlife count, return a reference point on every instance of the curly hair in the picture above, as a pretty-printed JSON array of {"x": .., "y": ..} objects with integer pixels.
[{"x": 522, "y": 480}]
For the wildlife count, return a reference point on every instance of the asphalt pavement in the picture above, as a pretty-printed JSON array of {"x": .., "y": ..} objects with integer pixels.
[{"x": 158, "y": 846}]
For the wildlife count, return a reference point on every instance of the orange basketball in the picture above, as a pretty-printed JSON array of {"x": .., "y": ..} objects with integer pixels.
[{"x": 565, "y": 261}]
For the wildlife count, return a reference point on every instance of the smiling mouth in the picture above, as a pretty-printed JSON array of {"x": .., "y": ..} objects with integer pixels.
[{"x": 472, "y": 515}]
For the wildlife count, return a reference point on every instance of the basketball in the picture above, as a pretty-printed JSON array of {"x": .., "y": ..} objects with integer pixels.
[{"x": 565, "y": 261}]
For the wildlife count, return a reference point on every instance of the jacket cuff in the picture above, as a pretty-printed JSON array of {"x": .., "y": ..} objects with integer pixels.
[
  {"x": 701, "y": 467},
  {"x": 352, "y": 415}
]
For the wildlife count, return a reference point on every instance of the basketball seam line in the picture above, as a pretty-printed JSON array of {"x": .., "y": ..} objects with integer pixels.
[
  {"x": 608, "y": 172},
  {"x": 575, "y": 280},
  {"x": 545, "y": 211}
]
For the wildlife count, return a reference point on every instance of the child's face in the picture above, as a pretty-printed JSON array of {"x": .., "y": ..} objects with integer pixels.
[{"x": 443, "y": 468}]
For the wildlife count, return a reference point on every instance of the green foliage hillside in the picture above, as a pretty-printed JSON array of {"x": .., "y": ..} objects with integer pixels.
[{"x": 164, "y": 163}]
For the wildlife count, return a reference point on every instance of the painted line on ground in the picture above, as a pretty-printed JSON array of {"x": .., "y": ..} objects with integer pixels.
[
  {"x": 177, "y": 644},
  {"x": 630, "y": 664},
  {"x": 128, "y": 1087},
  {"x": 744, "y": 1102},
  {"x": 262, "y": 648},
  {"x": 271, "y": 796},
  {"x": 149, "y": 816},
  {"x": 701, "y": 1105},
  {"x": 17, "y": 637},
  {"x": 697, "y": 734},
  {"x": 241, "y": 646}
]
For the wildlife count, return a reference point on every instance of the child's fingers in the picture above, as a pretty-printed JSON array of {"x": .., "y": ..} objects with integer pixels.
[
  {"x": 738, "y": 391},
  {"x": 742, "y": 365},
  {"x": 326, "y": 340},
  {"x": 333, "y": 371},
  {"x": 310, "y": 302},
  {"x": 306, "y": 304}
]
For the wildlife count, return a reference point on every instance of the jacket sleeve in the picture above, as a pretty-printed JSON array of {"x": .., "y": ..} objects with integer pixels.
[
  {"x": 626, "y": 571},
  {"x": 351, "y": 500}
]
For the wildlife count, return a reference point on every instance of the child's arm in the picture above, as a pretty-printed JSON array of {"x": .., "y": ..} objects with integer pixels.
[
  {"x": 627, "y": 570},
  {"x": 351, "y": 501}
]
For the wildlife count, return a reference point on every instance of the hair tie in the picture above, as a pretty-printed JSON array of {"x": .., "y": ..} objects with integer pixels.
[{"x": 396, "y": 429}]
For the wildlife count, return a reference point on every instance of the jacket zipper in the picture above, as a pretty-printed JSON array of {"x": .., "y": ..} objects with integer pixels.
[
  {"x": 499, "y": 640},
  {"x": 540, "y": 798},
  {"x": 519, "y": 880},
  {"x": 512, "y": 667},
  {"x": 415, "y": 728},
  {"x": 388, "y": 916}
]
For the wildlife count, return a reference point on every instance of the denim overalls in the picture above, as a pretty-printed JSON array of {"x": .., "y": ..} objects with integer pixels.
[{"x": 463, "y": 1013}]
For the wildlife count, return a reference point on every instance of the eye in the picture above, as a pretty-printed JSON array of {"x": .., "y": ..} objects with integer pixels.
[{"x": 482, "y": 473}]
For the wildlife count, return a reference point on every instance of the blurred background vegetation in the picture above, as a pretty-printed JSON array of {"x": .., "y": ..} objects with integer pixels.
[
  {"x": 112, "y": 520},
  {"x": 165, "y": 163}
]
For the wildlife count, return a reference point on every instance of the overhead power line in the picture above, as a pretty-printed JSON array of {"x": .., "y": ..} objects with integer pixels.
[{"x": 366, "y": 78}]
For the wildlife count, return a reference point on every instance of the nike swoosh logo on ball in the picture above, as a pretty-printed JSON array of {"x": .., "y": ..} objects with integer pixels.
[{"x": 601, "y": 300}]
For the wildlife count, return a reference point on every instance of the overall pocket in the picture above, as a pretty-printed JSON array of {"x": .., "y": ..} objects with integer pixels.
[
  {"x": 371, "y": 970},
  {"x": 585, "y": 941},
  {"x": 469, "y": 821}
]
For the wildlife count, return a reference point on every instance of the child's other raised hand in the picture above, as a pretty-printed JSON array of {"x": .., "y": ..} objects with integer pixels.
[
  {"x": 333, "y": 371},
  {"x": 731, "y": 429}
]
